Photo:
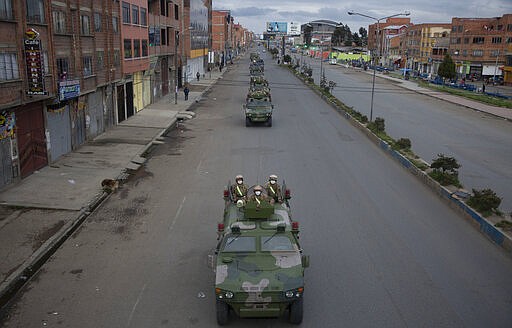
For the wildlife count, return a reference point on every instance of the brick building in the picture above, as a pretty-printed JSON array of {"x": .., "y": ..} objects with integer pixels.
[
  {"x": 376, "y": 33},
  {"x": 221, "y": 34},
  {"x": 133, "y": 92},
  {"x": 478, "y": 45},
  {"x": 165, "y": 19},
  {"x": 58, "y": 66}
]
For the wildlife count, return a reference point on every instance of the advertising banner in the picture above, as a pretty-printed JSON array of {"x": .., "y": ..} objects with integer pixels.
[
  {"x": 277, "y": 27},
  {"x": 294, "y": 28},
  {"x": 35, "y": 72}
]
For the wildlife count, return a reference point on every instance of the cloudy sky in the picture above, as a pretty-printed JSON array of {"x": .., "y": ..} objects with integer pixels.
[{"x": 254, "y": 14}]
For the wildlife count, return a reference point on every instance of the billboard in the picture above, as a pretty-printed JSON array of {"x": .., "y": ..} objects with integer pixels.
[
  {"x": 277, "y": 27},
  {"x": 198, "y": 25},
  {"x": 294, "y": 28}
]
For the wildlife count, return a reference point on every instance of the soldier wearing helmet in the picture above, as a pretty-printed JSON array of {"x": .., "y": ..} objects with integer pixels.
[
  {"x": 239, "y": 189},
  {"x": 273, "y": 189},
  {"x": 259, "y": 196}
]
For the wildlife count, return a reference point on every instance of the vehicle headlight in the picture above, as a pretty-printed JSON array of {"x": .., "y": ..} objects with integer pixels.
[
  {"x": 229, "y": 295},
  {"x": 294, "y": 293}
]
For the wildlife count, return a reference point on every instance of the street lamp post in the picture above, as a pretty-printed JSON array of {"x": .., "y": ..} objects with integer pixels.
[{"x": 377, "y": 38}]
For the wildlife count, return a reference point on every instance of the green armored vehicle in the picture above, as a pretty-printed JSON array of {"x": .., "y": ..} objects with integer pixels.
[
  {"x": 259, "y": 263},
  {"x": 258, "y": 108}
]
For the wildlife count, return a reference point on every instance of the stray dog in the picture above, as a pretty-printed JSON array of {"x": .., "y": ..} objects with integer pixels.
[{"x": 109, "y": 185}]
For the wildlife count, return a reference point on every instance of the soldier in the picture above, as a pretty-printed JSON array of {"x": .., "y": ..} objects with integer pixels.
[
  {"x": 239, "y": 189},
  {"x": 273, "y": 189},
  {"x": 258, "y": 196}
]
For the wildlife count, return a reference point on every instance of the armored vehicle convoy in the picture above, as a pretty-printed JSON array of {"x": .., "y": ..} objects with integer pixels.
[
  {"x": 259, "y": 263},
  {"x": 258, "y": 108}
]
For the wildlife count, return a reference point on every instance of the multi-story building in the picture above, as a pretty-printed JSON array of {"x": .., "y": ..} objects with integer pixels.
[
  {"x": 507, "y": 68},
  {"x": 220, "y": 34},
  {"x": 196, "y": 36},
  {"x": 425, "y": 46},
  {"x": 377, "y": 33},
  {"x": 133, "y": 92},
  {"x": 164, "y": 25},
  {"x": 58, "y": 66},
  {"x": 391, "y": 52},
  {"x": 478, "y": 45}
]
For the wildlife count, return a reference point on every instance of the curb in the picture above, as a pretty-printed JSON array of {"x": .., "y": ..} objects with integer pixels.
[
  {"x": 16, "y": 280},
  {"x": 476, "y": 219}
]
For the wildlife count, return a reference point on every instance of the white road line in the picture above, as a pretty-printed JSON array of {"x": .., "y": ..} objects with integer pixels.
[
  {"x": 199, "y": 166},
  {"x": 135, "y": 305},
  {"x": 177, "y": 214}
]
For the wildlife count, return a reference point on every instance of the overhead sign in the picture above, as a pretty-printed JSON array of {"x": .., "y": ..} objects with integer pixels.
[
  {"x": 277, "y": 27},
  {"x": 294, "y": 28},
  {"x": 34, "y": 62}
]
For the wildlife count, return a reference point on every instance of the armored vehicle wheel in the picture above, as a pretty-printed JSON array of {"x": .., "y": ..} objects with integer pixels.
[
  {"x": 269, "y": 121},
  {"x": 248, "y": 121},
  {"x": 296, "y": 312},
  {"x": 222, "y": 313}
]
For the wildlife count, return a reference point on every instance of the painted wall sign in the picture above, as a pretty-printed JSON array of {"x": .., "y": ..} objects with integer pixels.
[{"x": 7, "y": 124}]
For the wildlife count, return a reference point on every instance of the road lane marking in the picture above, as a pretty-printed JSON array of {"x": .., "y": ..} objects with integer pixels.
[
  {"x": 178, "y": 212},
  {"x": 135, "y": 305}
]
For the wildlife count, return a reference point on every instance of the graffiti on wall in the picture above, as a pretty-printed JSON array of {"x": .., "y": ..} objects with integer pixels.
[{"x": 7, "y": 124}]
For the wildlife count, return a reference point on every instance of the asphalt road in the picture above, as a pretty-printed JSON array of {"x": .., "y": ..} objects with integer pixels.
[
  {"x": 481, "y": 143},
  {"x": 385, "y": 252}
]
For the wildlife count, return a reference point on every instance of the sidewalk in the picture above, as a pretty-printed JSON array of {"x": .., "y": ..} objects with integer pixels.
[
  {"x": 502, "y": 112},
  {"x": 41, "y": 211}
]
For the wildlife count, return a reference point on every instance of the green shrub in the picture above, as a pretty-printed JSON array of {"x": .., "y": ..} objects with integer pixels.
[
  {"x": 377, "y": 126},
  {"x": 444, "y": 178},
  {"x": 484, "y": 201},
  {"x": 445, "y": 164},
  {"x": 402, "y": 144}
]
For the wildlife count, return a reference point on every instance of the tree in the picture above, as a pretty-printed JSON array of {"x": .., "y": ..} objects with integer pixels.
[
  {"x": 484, "y": 201},
  {"x": 447, "y": 68},
  {"x": 356, "y": 39},
  {"x": 446, "y": 164},
  {"x": 364, "y": 36}
]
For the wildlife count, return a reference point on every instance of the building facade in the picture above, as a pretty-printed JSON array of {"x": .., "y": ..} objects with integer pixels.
[
  {"x": 479, "y": 45},
  {"x": 59, "y": 64},
  {"x": 164, "y": 26},
  {"x": 220, "y": 34}
]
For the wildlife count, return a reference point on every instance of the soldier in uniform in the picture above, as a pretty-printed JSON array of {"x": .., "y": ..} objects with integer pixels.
[
  {"x": 239, "y": 189},
  {"x": 274, "y": 189},
  {"x": 258, "y": 196}
]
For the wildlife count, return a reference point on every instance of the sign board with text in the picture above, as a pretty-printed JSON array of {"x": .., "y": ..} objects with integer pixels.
[{"x": 35, "y": 69}]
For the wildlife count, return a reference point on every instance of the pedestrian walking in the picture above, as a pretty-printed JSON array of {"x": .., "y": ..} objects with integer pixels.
[
  {"x": 198, "y": 75},
  {"x": 483, "y": 88},
  {"x": 186, "y": 91}
]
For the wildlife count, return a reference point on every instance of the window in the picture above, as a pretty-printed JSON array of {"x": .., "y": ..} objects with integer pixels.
[
  {"x": 143, "y": 17},
  {"x": 126, "y": 13},
  {"x": 115, "y": 24},
  {"x": 127, "y": 48},
  {"x": 85, "y": 25},
  {"x": 135, "y": 14},
  {"x": 6, "y": 9},
  {"x": 500, "y": 27},
  {"x": 46, "y": 66},
  {"x": 154, "y": 36},
  {"x": 509, "y": 27},
  {"x": 35, "y": 11},
  {"x": 59, "y": 21},
  {"x": 454, "y": 28},
  {"x": 466, "y": 40},
  {"x": 8, "y": 66},
  {"x": 478, "y": 53},
  {"x": 87, "y": 62},
  {"x": 117, "y": 57},
  {"x": 136, "y": 48},
  {"x": 163, "y": 37},
  {"x": 495, "y": 53},
  {"x": 144, "y": 48},
  {"x": 464, "y": 52},
  {"x": 496, "y": 39},
  {"x": 509, "y": 39},
  {"x": 100, "y": 59},
  {"x": 176, "y": 12},
  {"x": 240, "y": 244},
  {"x": 478, "y": 39},
  {"x": 276, "y": 243},
  {"x": 97, "y": 22},
  {"x": 460, "y": 28},
  {"x": 62, "y": 68},
  {"x": 163, "y": 8}
]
